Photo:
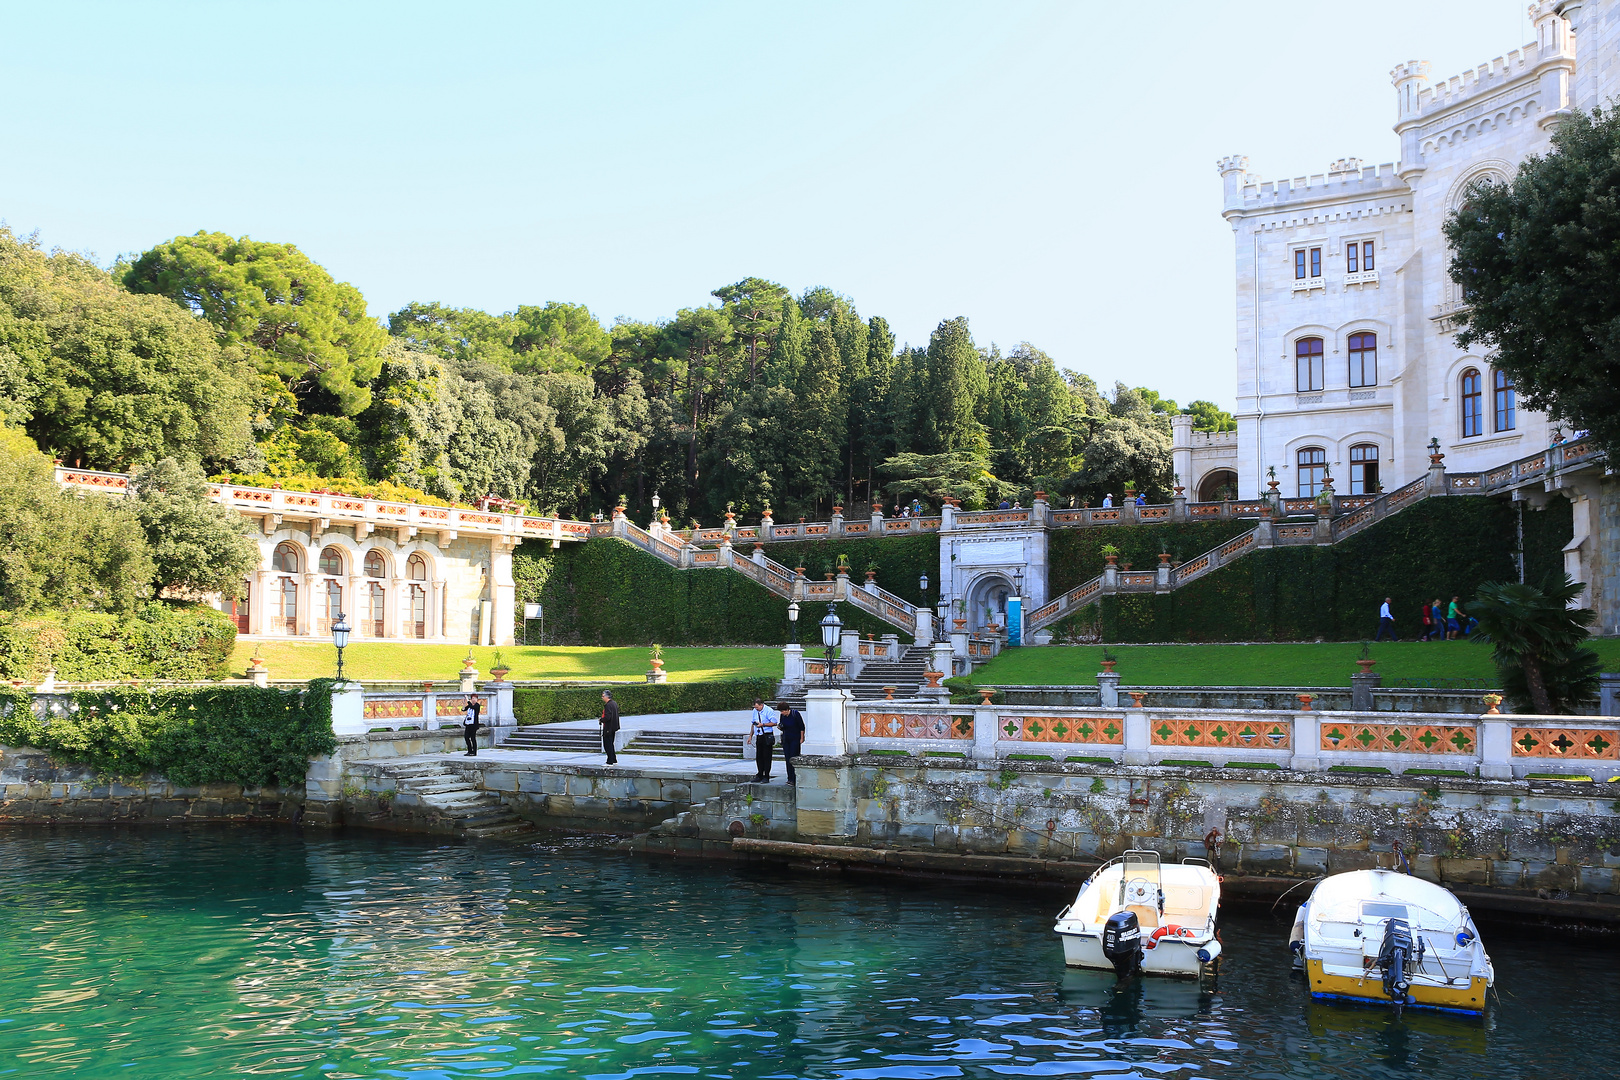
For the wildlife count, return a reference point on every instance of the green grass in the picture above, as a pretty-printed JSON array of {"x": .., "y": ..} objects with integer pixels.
[
  {"x": 1187, "y": 763},
  {"x": 387, "y": 661},
  {"x": 1371, "y": 770},
  {"x": 1329, "y": 663},
  {"x": 1252, "y": 765},
  {"x": 1090, "y": 760},
  {"x": 1437, "y": 772}
]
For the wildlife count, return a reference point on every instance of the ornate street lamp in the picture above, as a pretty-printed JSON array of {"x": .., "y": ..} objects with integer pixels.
[
  {"x": 793, "y": 622},
  {"x": 922, "y": 589},
  {"x": 1018, "y": 581},
  {"x": 340, "y": 638},
  {"x": 832, "y": 632}
]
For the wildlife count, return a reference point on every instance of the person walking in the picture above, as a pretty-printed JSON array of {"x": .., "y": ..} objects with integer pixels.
[
  {"x": 610, "y": 727},
  {"x": 791, "y": 725},
  {"x": 762, "y": 730},
  {"x": 1108, "y": 501},
  {"x": 1453, "y": 619},
  {"x": 1386, "y": 621},
  {"x": 1427, "y": 614},
  {"x": 470, "y": 725}
]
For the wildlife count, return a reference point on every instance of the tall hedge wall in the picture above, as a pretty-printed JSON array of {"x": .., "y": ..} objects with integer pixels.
[
  {"x": 160, "y": 641},
  {"x": 1545, "y": 532},
  {"x": 608, "y": 592},
  {"x": 1439, "y": 548},
  {"x": 1074, "y": 556}
]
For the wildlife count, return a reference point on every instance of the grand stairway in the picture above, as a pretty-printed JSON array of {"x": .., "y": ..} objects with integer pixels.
[
  {"x": 905, "y": 675},
  {"x": 456, "y": 804}
]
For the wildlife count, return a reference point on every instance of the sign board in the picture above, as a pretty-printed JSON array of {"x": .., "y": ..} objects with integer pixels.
[{"x": 531, "y": 611}]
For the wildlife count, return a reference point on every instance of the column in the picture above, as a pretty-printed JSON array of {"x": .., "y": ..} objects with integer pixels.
[
  {"x": 1307, "y": 742},
  {"x": 356, "y": 597},
  {"x": 793, "y": 665},
  {"x": 1181, "y": 439},
  {"x": 348, "y": 709},
  {"x": 307, "y": 605},
  {"x": 435, "y": 610},
  {"x": 825, "y": 730},
  {"x": 1496, "y": 747},
  {"x": 259, "y": 603},
  {"x": 1138, "y": 744},
  {"x": 986, "y": 724},
  {"x": 502, "y": 591}
]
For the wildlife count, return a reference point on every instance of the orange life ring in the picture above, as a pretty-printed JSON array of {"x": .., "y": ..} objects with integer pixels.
[{"x": 1170, "y": 931}]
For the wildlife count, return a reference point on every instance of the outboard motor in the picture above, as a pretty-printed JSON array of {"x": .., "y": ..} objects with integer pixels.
[
  {"x": 1396, "y": 956},
  {"x": 1122, "y": 943}
]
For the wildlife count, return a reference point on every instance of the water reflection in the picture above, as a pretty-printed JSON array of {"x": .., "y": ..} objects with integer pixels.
[{"x": 191, "y": 953}]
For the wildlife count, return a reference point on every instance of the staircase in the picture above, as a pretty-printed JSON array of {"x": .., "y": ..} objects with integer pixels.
[
  {"x": 704, "y": 744},
  {"x": 905, "y": 675},
  {"x": 458, "y": 804},
  {"x": 559, "y": 740}
]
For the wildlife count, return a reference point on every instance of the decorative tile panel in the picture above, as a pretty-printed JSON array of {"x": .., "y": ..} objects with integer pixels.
[
  {"x": 1256, "y": 735},
  {"x": 452, "y": 704},
  {"x": 1588, "y": 744},
  {"x": 916, "y": 726},
  {"x": 393, "y": 708},
  {"x": 1108, "y": 730},
  {"x": 1401, "y": 738}
]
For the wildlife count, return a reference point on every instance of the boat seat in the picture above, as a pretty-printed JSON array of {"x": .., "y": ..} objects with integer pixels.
[
  {"x": 1186, "y": 901},
  {"x": 1146, "y": 917}
]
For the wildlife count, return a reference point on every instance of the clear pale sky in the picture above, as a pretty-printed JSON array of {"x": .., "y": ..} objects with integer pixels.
[{"x": 1046, "y": 170}]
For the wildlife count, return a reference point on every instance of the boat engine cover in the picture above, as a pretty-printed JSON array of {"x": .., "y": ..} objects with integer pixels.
[{"x": 1122, "y": 942}]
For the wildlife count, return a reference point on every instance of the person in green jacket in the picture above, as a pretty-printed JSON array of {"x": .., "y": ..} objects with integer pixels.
[{"x": 1453, "y": 620}]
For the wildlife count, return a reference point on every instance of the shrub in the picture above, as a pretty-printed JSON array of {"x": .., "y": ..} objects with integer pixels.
[
  {"x": 211, "y": 735},
  {"x": 182, "y": 642},
  {"x": 548, "y": 705}
]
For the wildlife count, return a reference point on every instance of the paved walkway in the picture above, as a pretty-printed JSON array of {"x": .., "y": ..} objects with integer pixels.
[{"x": 733, "y": 769}]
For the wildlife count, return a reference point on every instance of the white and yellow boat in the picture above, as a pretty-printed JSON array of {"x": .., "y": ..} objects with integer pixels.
[
  {"x": 1135, "y": 913},
  {"x": 1387, "y": 937}
]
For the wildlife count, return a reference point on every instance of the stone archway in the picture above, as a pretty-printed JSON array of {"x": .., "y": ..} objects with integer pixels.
[
  {"x": 1218, "y": 485},
  {"x": 987, "y": 602}
]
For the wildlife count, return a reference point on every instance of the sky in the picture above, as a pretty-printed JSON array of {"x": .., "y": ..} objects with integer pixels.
[{"x": 1045, "y": 169}]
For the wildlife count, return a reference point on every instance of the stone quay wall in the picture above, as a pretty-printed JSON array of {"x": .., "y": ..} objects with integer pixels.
[{"x": 35, "y": 789}]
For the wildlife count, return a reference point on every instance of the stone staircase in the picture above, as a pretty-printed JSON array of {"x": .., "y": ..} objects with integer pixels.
[
  {"x": 905, "y": 675},
  {"x": 433, "y": 790},
  {"x": 558, "y": 739},
  {"x": 704, "y": 744}
]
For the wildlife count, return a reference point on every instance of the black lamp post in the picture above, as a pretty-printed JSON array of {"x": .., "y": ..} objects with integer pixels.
[
  {"x": 832, "y": 632},
  {"x": 1018, "y": 581},
  {"x": 922, "y": 590},
  {"x": 655, "y": 508},
  {"x": 793, "y": 622},
  {"x": 340, "y": 638}
]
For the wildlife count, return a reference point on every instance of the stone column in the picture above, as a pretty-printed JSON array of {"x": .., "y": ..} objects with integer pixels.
[
  {"x": 435, "y": 609},
  {"x": 307, "y": 606},
  {"x": 348, "y": 708},
  {"x": 792, "y": 665},
  {"x": 1362, "y": 685},
  {"x": 1108, "y": 688},
  {"x": 503, "y": 590},
  {"x": 259, "y": 604},
  {"x": 1138, "y": 743},
  {"x": 1496, "y": 747},
  {"x": 825, "y": 729},
  {"x": 1181, "y": 440},
  {"x": 356, "y": 597},
  {"x": 1307, "y": 740},
  {"x": 836, "y": 530},
  {"x": 502, "y": 721},
  {"x": 986, "y": 730}
]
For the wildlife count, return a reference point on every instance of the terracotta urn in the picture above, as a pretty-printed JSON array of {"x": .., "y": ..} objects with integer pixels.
[
  {"x": 1137, "y": 697},
  {"x": 1305, "y": 702},
  {"x": 758, "y": 546},
  {"x": 985, "y": 694},
  {"x": 1040, "y": 496},
  {"x": 657, "y": 664},
  {"x": 1113, "y": 560},
  {"x": 427, "y": 684},
  {"x": 933, "y": 678},
  {"x": 960, "y": 624},
  {"x": 871, "y": 575},
  {"x": 499, "y": 673},
  {"x": 838, "y": 511},
  {"x": 1125, "y": 566},
  {"x": 1109, "y": 665},
  {"x": 888, "y": 692},
  {"x": 829, "y": 575},
  {"x": 1164, "y": 558},
  {"x": 1492, "y": 701},
  {"x": 798, "y": 571},
  {"x": 1365, "y": 665},
  {"x": 1179, "y": 490}
]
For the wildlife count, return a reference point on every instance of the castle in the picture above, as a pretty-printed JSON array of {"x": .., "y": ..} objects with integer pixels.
[{"x": 1347, "y": 361}]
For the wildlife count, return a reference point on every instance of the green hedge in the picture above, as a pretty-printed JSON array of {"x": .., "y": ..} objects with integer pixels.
[
  {"x": 1439, "y": 548},
  {"x": 547, "y": 705},
  {"x": 609, "y": 592},
  {"x": 1545, "y": 533},
  {"x": 213, "y": 735},
  {"x": 161, "y": 641},
  {"x": 1074, "y": 556}
]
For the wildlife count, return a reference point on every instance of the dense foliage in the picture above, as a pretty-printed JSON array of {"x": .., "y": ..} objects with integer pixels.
[
  {"x": 1536, "y": 260},
  {"x": 183, "y": 642},
  {"x": 1439, "y": 548},
  {"x": 1537, "y": 641},
  {"x": 1075, "y": 556},
  {"x": 217, "y": 735},
  {"x": 548, "y": 705}
]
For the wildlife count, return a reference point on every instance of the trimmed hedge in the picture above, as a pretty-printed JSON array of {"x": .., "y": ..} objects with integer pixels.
[
  {"x": 1545, "y": 533},
  {"x": 160, "y": 641},
  {"x": 1074, "y": 556},
  {"x": 214, "y": 735},
  {"x": 609, "y": 592},
  {"x": 547, "y": 705},
  {"x": 1441, "y": 547}
]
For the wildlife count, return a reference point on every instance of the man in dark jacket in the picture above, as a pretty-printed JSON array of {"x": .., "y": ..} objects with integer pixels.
[
  {"x": 791, "y": 725},
  {"x": 470, "y": 725},
  {"x": 610, "y": 726}
]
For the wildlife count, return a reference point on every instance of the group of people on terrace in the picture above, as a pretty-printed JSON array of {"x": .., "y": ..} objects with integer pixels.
[{"x": 1440, "y": 621}]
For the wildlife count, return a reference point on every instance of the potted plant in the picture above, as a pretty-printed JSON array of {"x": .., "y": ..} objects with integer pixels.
[
  {"x": 255, "y": 662},
  {"x": 1130, "y": 489},
  {"x": 838, "y": 510},
  {"x": 933, "y": 678},
  {"x": 1305, "y": 701},
  {"x": 959, "y": 620},
  {"x": 1491, "y": 702},
  {"x": 1111, "y": 553},
  {"x": 1109, "y": 660},
  {"x": 1164, "y": 558},
  {"x": 843, "y": 561},
  {"x": 500, "y": 670},
  {"x": 658, "y": 658},
  {"x": 1365, "y": 660},
  {"x": 1124, "y": 566},
  {"x": 731, "y": 517},
  {"x": 871, "y": 571},
  {"x": 1175, "y": 478}
]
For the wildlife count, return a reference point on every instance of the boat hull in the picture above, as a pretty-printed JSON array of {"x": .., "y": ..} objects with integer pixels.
[
  {"x": 1175, "y": 957},
  {"x": 1469, "y": 998}
]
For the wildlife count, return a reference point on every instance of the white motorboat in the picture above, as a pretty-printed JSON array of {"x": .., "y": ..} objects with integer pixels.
[
  {"x": 1136, "y": 913},
  {"x": 1387, "y": 937}
]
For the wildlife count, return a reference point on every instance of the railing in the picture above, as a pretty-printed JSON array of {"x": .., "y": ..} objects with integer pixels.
[{"x": 425, "y": 711}]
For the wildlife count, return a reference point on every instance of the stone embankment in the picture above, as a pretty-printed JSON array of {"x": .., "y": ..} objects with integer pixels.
[{"x": 36, "y": 789}]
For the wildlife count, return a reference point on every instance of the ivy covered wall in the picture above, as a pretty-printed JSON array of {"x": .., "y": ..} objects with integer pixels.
[
  {"x": 1546, "y": 531},
  {"x": 1074, "y": 556},
  {"x": 1439, "y": 548}
]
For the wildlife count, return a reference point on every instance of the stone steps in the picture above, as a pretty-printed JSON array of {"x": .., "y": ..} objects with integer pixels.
[
  {"x": 707, "y": 744},
  {"x": 457, "y": 802},
  {"x": 565, "y": 740}
]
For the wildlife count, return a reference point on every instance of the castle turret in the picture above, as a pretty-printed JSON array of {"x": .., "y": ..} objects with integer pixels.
[
  {"x": 1556, "y": 44},
  {"x": 1234, "y": 173},
  {"x": 1410, "y": 79}
]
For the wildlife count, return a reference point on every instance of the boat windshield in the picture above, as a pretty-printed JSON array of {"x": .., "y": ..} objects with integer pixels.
[{"x": 1374, "y": 909}]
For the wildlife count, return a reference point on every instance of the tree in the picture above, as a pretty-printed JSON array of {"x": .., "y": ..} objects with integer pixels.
[
  {"x": 1208, "y": 416},
  {"x": 754, "y": 307},
  {"x": 1536, "y": 641},
  {"x": 306, "y": 328},
  {"x": 60, "y": 550},
  {"x": 963, "y": 475},
  {"x": 1132, "y": 445},
  {"x": 956, "y": 389},
  {"x": 1536, "y": 260},
  {"x": 108, "y": 378},
  {"x": 197, "y": 545}
]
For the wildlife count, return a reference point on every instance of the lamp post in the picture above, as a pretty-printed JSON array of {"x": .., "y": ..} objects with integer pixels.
[
  {"x": 922, "y": 590},
  {"x": 832, "y": 631},
  {"x": 340, "y": 638},
  {"x": 655, "y": 510},
  {"x": 793, "y": 623},
  {"x": 1018, "y": 581}
]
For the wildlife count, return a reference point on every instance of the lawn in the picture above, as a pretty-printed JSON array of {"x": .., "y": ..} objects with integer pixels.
[
  {"x": 1288, "y": 664},
  {"x": 398, "y": 661}
]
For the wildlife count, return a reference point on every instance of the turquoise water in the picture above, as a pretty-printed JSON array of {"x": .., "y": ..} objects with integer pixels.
[{"x": 262, "y": 952}]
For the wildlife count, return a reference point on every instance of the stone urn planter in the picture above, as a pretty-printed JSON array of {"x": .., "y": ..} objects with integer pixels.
[
  {"x": 933, "y": 678},
  {"x": 1113, "y": 560},
  {"x": 1137, "y": 696},
  {"x": 1040, "y": 496},
  {"x": 427, "y": 684},
  {"x": 1109, "y": 665},
  {"x": 888, "y": 692},
  {"x": 1366, "y": 666},
  {"x": 985, "y": 694},
  {"x": 1164, "y": 558},
  {"x": 798, "y": 571},
  {"x": 959, "y": 624},
  {"x": 1491, "y": 702},
  {"x": 499, "y": 672},
  {"x": 1124, "y": 566},
  {"x": 1305, "y": 702},
  {"x": 871, "y": 576},
  {"x": 838, "y": 511}
]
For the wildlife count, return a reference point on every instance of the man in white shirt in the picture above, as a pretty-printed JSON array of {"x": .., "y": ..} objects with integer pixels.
[
  {"x": 1108, "y": 502},
  {"x": 762, "y": 730},
  {"x": 1386, "y": 621}
]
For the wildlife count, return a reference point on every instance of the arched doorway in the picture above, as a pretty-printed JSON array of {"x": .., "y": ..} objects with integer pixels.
[
  {"x": 987, "y": 602},
  {"x": 1218, "y": 485}
]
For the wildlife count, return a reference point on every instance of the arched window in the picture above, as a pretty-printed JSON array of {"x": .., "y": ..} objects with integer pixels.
[
  {"x": 334, "y": 606},
  {"x": 416, "y": 568},
  {"x": 375, "y": 565},
  {"x": 1507, "y": 401},
  {"x": 331, "y": 560},
  {"x": 418, "y": 624},
  {"x": 1472, "y": 422},
  {"x": 286, "y": 560},
  {"x": 1312, "y": 469},
  {"x": 1364, "y": 469},
  {"x": 1308, "y": 363},
  {"x": 373, "y": 621},
  {"x": 1364, "y": 359},
  {"x": 287, "y": 620}
]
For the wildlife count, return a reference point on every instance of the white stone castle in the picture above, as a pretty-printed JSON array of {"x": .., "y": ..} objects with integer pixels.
[{"x": 1347, "y": 361}]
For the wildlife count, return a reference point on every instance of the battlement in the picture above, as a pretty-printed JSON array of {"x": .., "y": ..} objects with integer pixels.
[
  {"x": 1488, "y": 77},
  {"x": 1345, "y": 178}
]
